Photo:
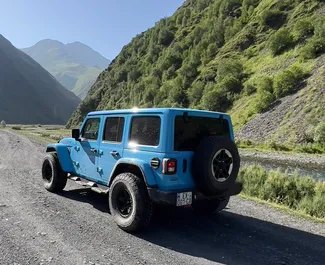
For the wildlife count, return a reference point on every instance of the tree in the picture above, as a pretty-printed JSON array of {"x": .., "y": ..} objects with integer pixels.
[{"x": 3, "y": 124}]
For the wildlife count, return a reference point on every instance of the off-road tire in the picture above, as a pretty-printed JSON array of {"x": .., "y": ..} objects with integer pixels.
[
  {"x": 142, "y": 208},
  {"x": 54, "y": 179},
  {"x": 202, "y": 162},
  {"x": 205, "y": 207}
]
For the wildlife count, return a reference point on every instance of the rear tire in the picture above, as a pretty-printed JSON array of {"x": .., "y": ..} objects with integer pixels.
[
  {"x": 210, "y": 206},
  {"x": 129, "y": 203},
  {"x": 54, "y": 179}
]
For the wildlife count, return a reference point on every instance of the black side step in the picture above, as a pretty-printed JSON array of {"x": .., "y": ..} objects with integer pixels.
[{"x": 101, "y": 189}]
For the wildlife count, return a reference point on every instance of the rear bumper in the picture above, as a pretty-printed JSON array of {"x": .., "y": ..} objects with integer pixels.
[{"x": 170, "y": 197}]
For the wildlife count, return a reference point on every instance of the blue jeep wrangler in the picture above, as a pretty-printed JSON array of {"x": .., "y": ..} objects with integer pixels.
[{"x": 142, "y": 157}]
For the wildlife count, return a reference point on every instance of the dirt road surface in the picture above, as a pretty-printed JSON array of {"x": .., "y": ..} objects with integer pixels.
[{"x": 38, "y": 227}]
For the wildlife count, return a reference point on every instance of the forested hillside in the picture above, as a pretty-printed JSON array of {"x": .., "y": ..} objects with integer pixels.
[{"x": 259, "y": 60}]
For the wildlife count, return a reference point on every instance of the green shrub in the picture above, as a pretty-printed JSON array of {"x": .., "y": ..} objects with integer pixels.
[
  {"x": 320, "y": 28},
  {"x": 229, "y": 67},
  {"x": 231, "y": 84},
  {"x": 195, "y": 93},
  {"x": 263, "y": 101},
  {"x": 244, "y": 143},
  {"x": 302, "y": 193},
  {"x": 253, "y": 179},
  {"x": 249, "y": 88},
  {"x": 312, "y": 49},
  {"x": 216, "y": 100},
  {"x": 282, "y": 188},
  {"x": 320, "y": 189},
  {"x": 316, "y": 45},
  {"x": 16, "y": 128},
  {"x": 303, "y": 28},
  {"x": 315, "y": 206},
  {"x": 264, "y": 87},
  {"x": 277, "y": 146},
  {"x": 280, "y": 41},
  {"x": 319, "y": 134},
  {"x": 305, "y": 187},
  {"x": 310, "y": 148},
  {"x": 286, "y": 82},
  {"x": 3, "y": 124}
]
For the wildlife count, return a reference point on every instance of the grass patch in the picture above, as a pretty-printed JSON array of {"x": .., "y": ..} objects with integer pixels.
[
  {"x": 307, "y": 148},
  {"x": 301, "y": 194},
  {"x": 44, "y": 134},
  {"x": 282, "y": 208}
]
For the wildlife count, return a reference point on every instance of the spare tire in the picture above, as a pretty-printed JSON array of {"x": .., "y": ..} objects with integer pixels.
[{"x": 215, "y": 165}]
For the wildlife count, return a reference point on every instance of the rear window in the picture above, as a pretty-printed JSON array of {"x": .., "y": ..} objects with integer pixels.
[
  {"x": 145, "y": 130},
  {"x": 188, "y": 133}
]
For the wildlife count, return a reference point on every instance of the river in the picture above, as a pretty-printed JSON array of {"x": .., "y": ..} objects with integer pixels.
[{"x": 302, "y": 170}]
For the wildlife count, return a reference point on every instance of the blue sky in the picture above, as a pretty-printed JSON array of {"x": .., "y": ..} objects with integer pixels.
[{"x": 104, "y": 25}]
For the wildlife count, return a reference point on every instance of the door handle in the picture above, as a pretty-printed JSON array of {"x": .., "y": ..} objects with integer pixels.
[
  {"x": 114, "y": 153},
  {"x": 93, "y": 150}
]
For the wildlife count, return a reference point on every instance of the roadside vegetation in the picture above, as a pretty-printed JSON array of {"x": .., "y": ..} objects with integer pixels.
[
  {"x": 303, "y": 195},
  {"x": 41, "y": 133},
  {"x": 307, "y": 148}
]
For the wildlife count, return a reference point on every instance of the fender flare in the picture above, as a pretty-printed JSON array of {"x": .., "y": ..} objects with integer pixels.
[
  {"x": 145, "y": 169},
  {"x": 63, "y": 156}
]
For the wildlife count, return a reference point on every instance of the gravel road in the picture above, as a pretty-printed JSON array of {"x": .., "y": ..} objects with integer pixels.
[{"x": 38, "y": 227}]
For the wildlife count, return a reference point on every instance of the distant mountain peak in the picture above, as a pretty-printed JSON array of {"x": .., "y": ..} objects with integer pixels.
[{"x": 75, "y": 65}]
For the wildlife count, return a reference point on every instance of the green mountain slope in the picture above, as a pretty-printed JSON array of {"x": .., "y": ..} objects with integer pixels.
[
  {"x": 75, "y": 65},
  {"x": 28, "y": 93},
  {"x": 257, "y": 59}
]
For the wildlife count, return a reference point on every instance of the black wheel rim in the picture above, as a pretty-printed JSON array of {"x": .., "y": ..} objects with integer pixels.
[
  {"x": 124, "y": 203},
  {"x": 222, "y": 165},
  {"x": 47, "y": 171}
]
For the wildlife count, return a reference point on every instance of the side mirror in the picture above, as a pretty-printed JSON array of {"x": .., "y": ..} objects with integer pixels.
[{"x": 76, "y": 134}]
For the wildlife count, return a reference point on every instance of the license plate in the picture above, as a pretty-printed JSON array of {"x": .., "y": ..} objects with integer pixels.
[{"x": 184, "y": 198}]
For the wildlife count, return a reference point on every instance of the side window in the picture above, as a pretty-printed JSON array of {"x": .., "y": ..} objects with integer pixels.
[
  {"x": 145, "y": 130},
  {"x": 91, "y": 128},
  {"x": 113, "y": 131}
]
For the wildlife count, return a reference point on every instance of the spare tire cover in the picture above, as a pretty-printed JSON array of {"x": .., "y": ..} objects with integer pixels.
[{"x": 215, "y": 164}]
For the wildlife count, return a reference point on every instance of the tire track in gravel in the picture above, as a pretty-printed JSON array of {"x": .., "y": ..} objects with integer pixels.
[{"x": 38, "y": 227}]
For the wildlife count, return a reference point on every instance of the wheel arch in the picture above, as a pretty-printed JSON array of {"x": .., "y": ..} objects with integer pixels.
[
  {"x": 63, "y": 154},
  {"x": 136, "y": 168}
]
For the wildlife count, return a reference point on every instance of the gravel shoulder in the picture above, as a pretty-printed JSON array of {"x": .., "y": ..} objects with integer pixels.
[{"x": 38, "y": 227}]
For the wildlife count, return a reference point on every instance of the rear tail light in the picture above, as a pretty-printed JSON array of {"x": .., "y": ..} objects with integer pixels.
[{"x": 169, "y": 166}]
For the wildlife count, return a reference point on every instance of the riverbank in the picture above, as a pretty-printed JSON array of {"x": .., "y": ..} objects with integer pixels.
[
  {"x": 305, "y": 196},
  {"x": 309, "y": 161}
]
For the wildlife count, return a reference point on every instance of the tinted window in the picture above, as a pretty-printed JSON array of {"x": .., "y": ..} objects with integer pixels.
[
  {"x": 114, "y": 129},
  {"x": 145, "y": 130},
  {"x": 189, "y": 133},
  {"x": 90, "y": 130}
]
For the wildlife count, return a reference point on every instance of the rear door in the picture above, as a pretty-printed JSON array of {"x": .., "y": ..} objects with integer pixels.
[{"x": 111, "y": 145}]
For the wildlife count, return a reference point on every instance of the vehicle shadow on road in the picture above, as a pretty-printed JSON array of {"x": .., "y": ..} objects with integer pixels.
[
  {"x": 227, "y": 238},
  {"x": 85, "y": 195},
  {"x": 230, "y": 238}
]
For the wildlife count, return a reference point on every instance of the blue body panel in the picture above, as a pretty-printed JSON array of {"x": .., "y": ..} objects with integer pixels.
[
  {"x": 63, "y": 155},
  {"x": 100, "y": 167}
]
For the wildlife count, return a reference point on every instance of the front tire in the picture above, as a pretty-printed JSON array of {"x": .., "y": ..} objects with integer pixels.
[
  {"x": 54, "y": 179},
  {"x": 210, "y": 206},
  {"x": 129, "y": 203}
]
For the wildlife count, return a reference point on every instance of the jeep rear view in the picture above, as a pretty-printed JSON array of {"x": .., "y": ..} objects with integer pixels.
[{"x": 143, "y": 157}]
